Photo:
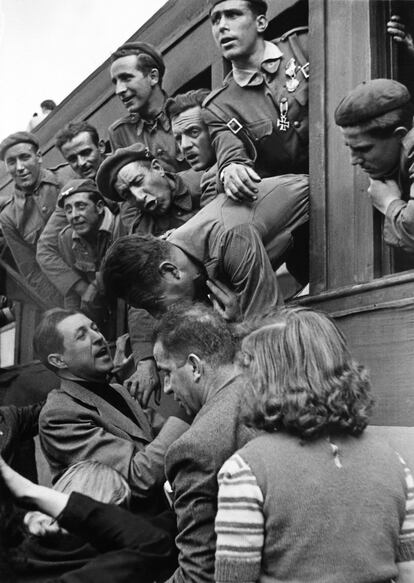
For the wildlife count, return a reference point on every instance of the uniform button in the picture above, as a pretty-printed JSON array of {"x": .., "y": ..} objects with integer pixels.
[
  {"x": 283, "y": 100},
  {"x": 44, "y": 209},
  {"x": 296, "y": 124},
  {"x": 160, "y": 151},
  {"x": 179, "y": 213}
]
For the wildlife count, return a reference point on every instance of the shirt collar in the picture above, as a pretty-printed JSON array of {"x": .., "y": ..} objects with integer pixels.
[
  {"x": 270, "y": 64},
  {"x": 181, "y": 197},
  {"x": 106, "y": 225},
  {"x": 151, "y": 125},
  {"x": 45, "y": 177}
]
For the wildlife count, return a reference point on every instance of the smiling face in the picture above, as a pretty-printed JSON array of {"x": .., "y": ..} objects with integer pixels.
[
  {"x": 132, "y": 87},
  {"x": 377, "y": 157},
  {"x": 192, "y": 137},
  {"x": 83, "y": 215},
  {"x": 24, "y": 164},
  {"x": 236, "y": 30},
  {"x": 83, "y": 155},
  {"x": 85, "y": 351},
  {"x": 146, "y": 186},
  {"x": 178, "y": 379}
]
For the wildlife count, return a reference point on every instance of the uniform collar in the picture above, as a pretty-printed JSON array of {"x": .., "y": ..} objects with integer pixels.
[
  {"x": 161, "y": 121},
  {"x": 181, "y": 197},
  {"x": 45, "y": 177},
  {"x": 270, "y": 64},
  {"x": 106, "y": 225}
]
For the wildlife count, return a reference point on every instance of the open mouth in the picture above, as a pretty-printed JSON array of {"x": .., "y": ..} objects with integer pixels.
[
  {"x": 226, "y": 42},
  {"x": 102, "y": 352}
]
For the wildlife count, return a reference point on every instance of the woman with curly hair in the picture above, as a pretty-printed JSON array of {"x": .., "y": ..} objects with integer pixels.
[{"x": 315, "y": 497}]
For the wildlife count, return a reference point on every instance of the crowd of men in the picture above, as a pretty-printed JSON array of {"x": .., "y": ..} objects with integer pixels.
[{"x": 202, "y": 198}]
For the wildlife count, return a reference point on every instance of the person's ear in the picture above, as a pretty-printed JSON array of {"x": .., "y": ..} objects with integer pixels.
[
  {"x": 100, "y": 206},
  {"x": 261, "y": 23},
  {"x": 154, "y": 76},
  {"x": 196, "y": 366},
  {"x": 168, "y": 270},
  {"x": 400, "y": 132},
  {"x": 155, "y": 165},
  {"x": 55, "y": 359},
  {"x": 39, "y": 155},
  {"x": 102, "y": 147}
]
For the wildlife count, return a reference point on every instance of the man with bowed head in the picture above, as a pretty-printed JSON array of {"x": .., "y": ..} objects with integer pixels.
[{"x": 376, "y": 122}]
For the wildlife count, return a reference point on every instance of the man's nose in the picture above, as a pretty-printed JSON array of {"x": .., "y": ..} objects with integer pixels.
[
  {"x": 120, "y": 87},
  {"x": 81, "y": 160},
  {"x": 186, "y": 143},
  {"x": 167, "y": 386},
  {"x": 97, "y": 336},
  {"x": 19, "y": 165},
  {"x": 144, "y": 200},
  {"x": 222, "y": 23},
  {"x": 356, "y": 159}
]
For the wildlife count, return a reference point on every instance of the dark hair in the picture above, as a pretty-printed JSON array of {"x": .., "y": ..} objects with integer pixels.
[
  {"x": 303, "y": 379},
  {"x": 384, "y": 125},
  {"x": 47, "y": 339},
  {"x": 72, "y": 129},
  {"x": 130, "y": 268},
  {"x": 145, "y": 63},
  {"x": 183, "y": 101},
  {"x": 193, "y": 327},
  {"x": 48, "y": 104},
  {"x": 258, "y": 8}
]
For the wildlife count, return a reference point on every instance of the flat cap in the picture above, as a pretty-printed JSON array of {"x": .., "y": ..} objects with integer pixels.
[
  {"x": 260, "y": 4},
  {"x": 369, "y": 100},
  {"x": 108, "y": 170},
  {"x": 77, "y": 185},
  {"x": 17, "y": 138},
  {"x": 146, "y": 48}
]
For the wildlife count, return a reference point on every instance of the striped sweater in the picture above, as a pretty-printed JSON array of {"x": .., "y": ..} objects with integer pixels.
[{"x": 313, "y": 512}]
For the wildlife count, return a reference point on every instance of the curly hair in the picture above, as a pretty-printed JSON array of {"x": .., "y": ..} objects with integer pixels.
[
  {"x": 303, "y": 379},
  {"x": 130, "y": 268},
  {"x": 183, "y": 101},
  {"x": 73, "y": 129}
]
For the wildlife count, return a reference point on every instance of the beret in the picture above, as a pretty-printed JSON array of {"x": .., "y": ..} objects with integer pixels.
[
  {"x": 212, "y": 3},
  {"x": 108, "y": 170},
  {"x": 77, "y": 185},
  {"x": 369, "y": 100},
  {"x": 148, "y": 50},
  {"x": 17, "y": 138}
]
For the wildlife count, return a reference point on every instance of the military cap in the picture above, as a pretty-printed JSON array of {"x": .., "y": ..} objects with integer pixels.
[
  {"x": 260, "y": 3},
  {"x": 108, "y": 170},
  {"x": 77, "y": 185},
  {"x": 369, "y": 100},
  {"x": 17, "y": 138},
  {"x": 148, "y": 50}
]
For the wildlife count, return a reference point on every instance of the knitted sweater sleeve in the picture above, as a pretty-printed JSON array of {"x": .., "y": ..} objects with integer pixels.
[
  {"x": 405, "y": 550},
  {"x": 239, "y": 524}
]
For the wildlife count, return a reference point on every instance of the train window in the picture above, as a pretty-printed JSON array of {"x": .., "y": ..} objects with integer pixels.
[
  {"x": 392, "y": 60},
  {"x": 200, "y": 81}
]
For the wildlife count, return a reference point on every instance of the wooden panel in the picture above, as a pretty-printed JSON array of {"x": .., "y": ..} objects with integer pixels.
[
  {"x": 349, "y": 214},
  {"x": 317, "y": 151}
]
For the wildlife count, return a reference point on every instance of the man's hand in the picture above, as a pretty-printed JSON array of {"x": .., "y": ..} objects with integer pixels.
[
  {"x": 224, "y": 300},
  {"x": 39, "y": 524},
  {"x": 399, "y": 34},
  {"x": 143, "y": 382},
  {"x": 382, "y": 193},
  {"x": 240, "y": 182},
  {"x": 80, "y": 287}
]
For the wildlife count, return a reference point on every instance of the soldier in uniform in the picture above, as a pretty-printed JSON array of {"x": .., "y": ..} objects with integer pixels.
[
  {"x": 376, "y": 122},
  {"x": 24, "y": 217},
  {"x": 258, "y": 119},
  {"x": 162, "y": 202},
  {"x": 81, "y": 147},
  {"x": 83, "y": 243},
  {"x": 137, "y": 70}
]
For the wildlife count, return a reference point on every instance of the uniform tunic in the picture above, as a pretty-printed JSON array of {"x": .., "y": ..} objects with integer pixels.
[
  {"x": 22, "y": 221},
  {"x": 245, "y": 116}
]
